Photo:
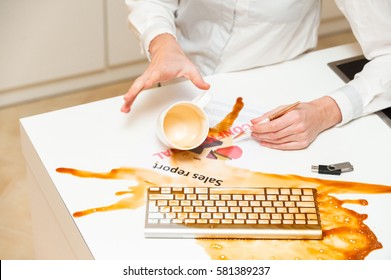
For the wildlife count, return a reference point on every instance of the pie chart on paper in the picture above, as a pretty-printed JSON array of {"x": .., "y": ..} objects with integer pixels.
[{"x": 231, "y": 152}]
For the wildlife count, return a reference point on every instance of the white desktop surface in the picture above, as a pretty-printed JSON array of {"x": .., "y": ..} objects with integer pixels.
[{"x": 97, "y": 137}]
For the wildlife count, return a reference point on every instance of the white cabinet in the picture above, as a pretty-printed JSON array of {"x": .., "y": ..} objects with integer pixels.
[
  {"x": 123, "y": 46},
  {"x": 48, "y": 40},
  {"x": 49, "y": 47}
]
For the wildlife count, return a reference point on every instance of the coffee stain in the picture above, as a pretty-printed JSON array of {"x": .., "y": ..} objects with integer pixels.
[
  {"x": 136, "y": 193},
  {"x": 228, "y": 120},
  {"x": 345, "y": 234}
]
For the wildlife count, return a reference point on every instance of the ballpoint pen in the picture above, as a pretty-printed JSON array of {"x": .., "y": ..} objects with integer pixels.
[
  {"x": 246, "y": 133},
  {"x": 280, "y": 113}
]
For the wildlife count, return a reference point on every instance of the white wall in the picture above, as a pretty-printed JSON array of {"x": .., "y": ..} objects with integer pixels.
[{"x": 50, "y": 47}]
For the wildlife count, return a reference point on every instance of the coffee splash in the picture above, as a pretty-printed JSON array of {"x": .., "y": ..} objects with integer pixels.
[
  {"x": 229, "y": 119},
  {"x": 345, "y": 235}
]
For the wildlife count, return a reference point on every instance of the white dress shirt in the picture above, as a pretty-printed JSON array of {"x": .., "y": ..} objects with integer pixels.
[{"x": 232, "y": 35}]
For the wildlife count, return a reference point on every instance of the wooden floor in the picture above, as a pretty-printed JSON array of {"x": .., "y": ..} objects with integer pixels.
[{"x": 16, "y": 240}]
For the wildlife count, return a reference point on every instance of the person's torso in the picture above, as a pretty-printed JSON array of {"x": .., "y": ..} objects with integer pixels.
[{"x": 230, "y": 35}]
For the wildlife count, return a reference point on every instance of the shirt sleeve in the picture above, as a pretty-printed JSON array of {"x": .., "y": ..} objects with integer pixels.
[
  {"x": 370, "y": 90},
  {"x": 150, "y": 18}
]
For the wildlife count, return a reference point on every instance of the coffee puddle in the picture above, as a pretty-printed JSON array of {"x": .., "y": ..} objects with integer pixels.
[{"x": 345, "y": 235}]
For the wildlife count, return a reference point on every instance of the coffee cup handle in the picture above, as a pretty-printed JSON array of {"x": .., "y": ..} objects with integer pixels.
[{"x": 202, "y": 99}]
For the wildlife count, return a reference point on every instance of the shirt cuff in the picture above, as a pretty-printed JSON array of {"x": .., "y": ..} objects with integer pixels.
[
  {"x": 151, "y": 33},
  {"x": 349, "y": 102}
]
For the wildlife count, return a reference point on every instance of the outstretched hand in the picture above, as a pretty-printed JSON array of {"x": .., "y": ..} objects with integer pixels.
[{"x": 168, "y": 62}]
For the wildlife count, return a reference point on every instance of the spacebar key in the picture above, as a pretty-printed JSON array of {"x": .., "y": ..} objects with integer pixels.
[{"x": 243, "y": 191}]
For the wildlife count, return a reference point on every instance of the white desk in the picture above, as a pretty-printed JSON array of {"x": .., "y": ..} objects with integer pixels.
[{"x": 97, "y": 137}]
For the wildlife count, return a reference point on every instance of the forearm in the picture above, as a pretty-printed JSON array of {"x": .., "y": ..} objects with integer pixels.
[
  {"x": 164, "y": 41},
  {"x": 150, "y": 18},
  {"x": 370, "y": 90},
  {"x": 329, "y": 112}
]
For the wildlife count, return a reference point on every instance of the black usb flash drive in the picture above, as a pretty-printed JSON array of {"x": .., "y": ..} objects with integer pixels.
[
  {"x": 323, "y": 169},
  {"x": 332, "y": 169}
]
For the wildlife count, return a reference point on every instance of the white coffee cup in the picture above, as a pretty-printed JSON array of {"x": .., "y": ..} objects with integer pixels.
[{"x": 184, "y": 125}]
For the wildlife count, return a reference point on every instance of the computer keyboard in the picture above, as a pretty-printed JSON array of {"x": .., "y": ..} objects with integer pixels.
[{"x": 221, "y": 212}]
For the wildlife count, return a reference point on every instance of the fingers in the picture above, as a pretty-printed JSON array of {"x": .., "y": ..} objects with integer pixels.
[
  {"x": 292, "y": 145},
  {"x": 261, "y": 119},
  {"x": 195, "y": 77},
  {"x": 264, "y": 117},
  {"x": 131, "y": 95},
  {"x": 292, "y": 140},
  {"x": 155, "y": 75},
  {"x": 201, "y": 84},
  {"x": 145, "y": 81},
  {"x": 168, "y": 61},
  {"x": 273, "y": 134},
  {"x": 288, "y": 132}
]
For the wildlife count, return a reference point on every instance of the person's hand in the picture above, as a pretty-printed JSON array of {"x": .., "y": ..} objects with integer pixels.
[
  {"x": 298, "y": 128},
  {"x": 167, "y": 63}
]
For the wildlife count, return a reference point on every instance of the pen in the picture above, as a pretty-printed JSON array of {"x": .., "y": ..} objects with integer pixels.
[{"x": 283, "y": 111}]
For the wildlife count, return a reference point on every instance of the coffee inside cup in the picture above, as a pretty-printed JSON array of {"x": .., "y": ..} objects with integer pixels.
[{"x": 185, "y": 126}]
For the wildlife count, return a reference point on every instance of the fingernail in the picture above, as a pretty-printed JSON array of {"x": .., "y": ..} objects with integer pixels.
[
  {"x": 124, "y": 109},
  {"x": 264, "y": 120}
]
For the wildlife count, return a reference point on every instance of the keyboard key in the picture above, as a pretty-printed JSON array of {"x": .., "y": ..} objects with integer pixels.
[{"x": 160, "y": 196}]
